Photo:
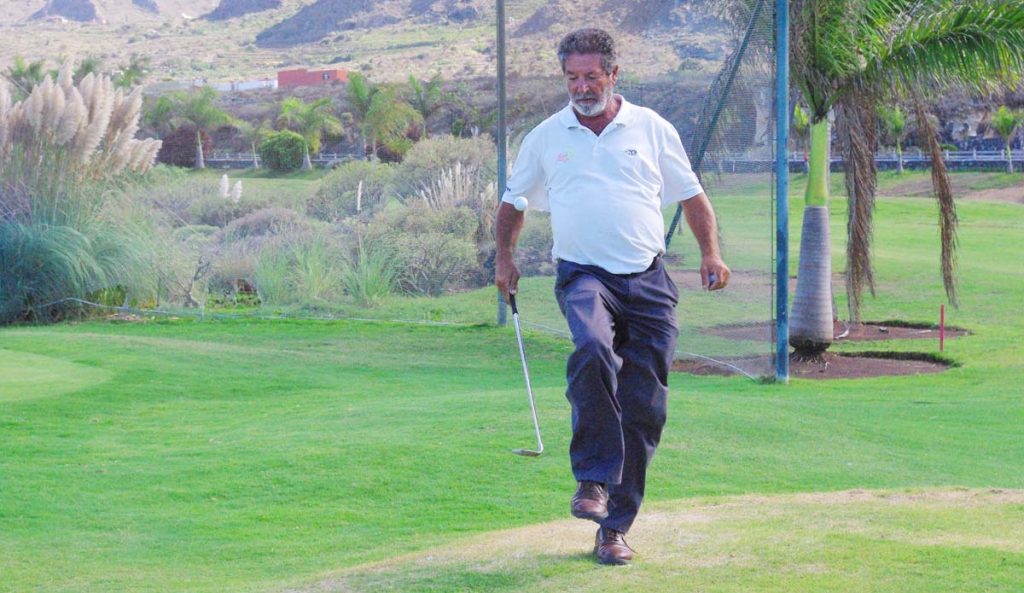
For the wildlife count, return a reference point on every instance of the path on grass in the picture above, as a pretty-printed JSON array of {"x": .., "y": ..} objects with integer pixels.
[{"x": 921, "y": 540}]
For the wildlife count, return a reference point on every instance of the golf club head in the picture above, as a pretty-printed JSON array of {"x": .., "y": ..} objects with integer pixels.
[{"x": 526, "y": 452}]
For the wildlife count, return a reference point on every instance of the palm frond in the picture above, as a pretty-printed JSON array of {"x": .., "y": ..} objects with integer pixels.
[{"x": 944, "y": 196}]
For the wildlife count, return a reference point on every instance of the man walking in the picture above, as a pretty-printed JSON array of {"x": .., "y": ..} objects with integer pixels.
[{"x": 605, "y": 168}]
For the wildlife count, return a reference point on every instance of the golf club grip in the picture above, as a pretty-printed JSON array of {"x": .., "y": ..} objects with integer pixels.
[{"x": 512, "y": 303}]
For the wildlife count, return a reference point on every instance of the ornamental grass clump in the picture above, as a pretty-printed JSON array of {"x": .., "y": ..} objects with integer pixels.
[{"x": 66, "y": 227}]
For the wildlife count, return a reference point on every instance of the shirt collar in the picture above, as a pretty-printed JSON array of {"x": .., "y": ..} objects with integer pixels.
[{"x": 622, "y": 118}]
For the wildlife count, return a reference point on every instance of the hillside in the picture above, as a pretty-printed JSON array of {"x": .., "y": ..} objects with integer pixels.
[
  {"x": 75, "y": 10},
  {"x": 388, "y": 40},
  {"x": 230, "y": 9}
]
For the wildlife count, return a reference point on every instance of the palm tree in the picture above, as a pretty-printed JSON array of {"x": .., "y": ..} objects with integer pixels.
[
  {"x": 427, "y": 98},
  {"x": 310, "y": 120},
  {"x": 254, "y": 133},
  {"x": 360, "y": 97},
  {"x": 25, "y": 76},
  {"x": 1006, "y": 122},
  {"x": 850, "y": 55},
  {"x": 801, "y": 123},
  {"x": 894, "y": 124},
  {"x": 387, "y": 121},
  {"x": 196, "y": 108}
]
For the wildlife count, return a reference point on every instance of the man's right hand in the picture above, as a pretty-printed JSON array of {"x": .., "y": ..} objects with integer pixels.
[
  {"x": 506, "y": 275},
  {"x": 508, "y": 223}
]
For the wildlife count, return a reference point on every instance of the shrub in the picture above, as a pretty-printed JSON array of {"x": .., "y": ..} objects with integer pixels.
[
  {"x": 265, "y": 222},
  {"x": 67, "y": 152},
  {"x": 301, "y": 268},
  {"x": 433, "y": 248},
  {"x": 283, "y": 151},
  {"x": 370, "y": 273},
  {"x": 179, "y": 147},
  {"x": 476, "y": 156},
  {"x": 336, "y": 198}
]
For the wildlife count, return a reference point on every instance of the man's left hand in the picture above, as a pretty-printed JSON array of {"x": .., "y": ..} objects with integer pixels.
[{"x": 714, "y": 267}]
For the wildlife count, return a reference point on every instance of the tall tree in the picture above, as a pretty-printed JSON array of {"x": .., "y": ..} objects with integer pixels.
[
  {"x": 427, "y": 98},
  {"x": 1006, "y": 122},
  {"x": 894, "y": 124},
  {"x": 255, "y": 134},
  {"x": 197, "y": 108},
  {"x": 388, "y": 120},
  {"x": 360, "y": 98},
  {"x": 310, "y": 120},
  {"x": 850, "y": 55}
]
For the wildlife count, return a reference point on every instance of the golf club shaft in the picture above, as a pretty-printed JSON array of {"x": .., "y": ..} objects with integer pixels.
[{"x": 526, "y": 371}]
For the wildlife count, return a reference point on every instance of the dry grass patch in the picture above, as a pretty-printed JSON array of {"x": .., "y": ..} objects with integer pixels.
[{"x": 856, "y": 540}]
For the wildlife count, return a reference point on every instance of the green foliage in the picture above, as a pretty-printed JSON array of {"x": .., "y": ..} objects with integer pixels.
[
  {"x": 434, "y": 248},
  {"x": 370, "y": 273},
  {"x": 311, "y": 120},
  {"x": 389, "y": 121},
  {"x": 426, "y": 98},
  {"x": 1006, "y": 122},
  {"x": 336, "y": 197},
  {"x": 301, "y": 269},
  {"x": 24, "y": 76},
  {"x": 283, "y": 151},
  {"x": 477, "y": 157}
]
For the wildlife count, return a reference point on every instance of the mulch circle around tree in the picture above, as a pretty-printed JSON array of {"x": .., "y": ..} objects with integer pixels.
[{"x": 833, "y": 365}]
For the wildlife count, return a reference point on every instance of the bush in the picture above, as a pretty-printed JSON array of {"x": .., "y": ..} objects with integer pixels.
[
  {"x": 336, "y": 198},
  {"x": 179, "y": 147},
  {"x": 265, "y": 222},
  {"x": 301, "y": 268},
  {"x": 283, "y": 151},
  {"x": 433, "y": 248},
  {"x": 370, "y": 273},
  {"x": 477, "y": 158}
]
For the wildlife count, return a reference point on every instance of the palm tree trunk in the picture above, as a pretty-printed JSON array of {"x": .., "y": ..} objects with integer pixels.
[
  {"x": 255, "y": 160},
  {"x": 811, "y": 318},
  {"x": 200, "y": 162},
  {"x": 1009, "y": 158},
  {"x": 899, "y": 157},
  {"x": 307, "y": 164}
]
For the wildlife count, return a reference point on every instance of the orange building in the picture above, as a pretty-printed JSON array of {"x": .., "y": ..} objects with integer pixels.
[{"x": 303, "y": 77}]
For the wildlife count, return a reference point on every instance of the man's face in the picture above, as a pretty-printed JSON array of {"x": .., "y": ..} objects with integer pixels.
[{"x": 590, "y": 89}]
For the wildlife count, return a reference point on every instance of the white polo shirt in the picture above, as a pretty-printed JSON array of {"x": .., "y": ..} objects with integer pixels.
[{"x": 605, "y": 193}]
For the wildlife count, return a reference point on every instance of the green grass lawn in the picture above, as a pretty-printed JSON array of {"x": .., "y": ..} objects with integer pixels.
[{"x": 254, "y": 455}]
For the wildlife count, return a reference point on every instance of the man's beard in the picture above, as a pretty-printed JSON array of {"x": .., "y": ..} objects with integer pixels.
[{"x": 595, "y": 108}]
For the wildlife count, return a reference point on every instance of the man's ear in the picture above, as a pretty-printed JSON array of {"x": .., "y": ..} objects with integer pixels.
[{"x": 615, "y": 73}]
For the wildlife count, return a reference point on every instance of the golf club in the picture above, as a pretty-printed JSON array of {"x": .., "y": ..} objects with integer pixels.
[{"x": 529, "y": 389}]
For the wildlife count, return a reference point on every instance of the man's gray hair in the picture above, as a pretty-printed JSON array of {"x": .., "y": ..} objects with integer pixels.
[{"x": 589, "y": 41}]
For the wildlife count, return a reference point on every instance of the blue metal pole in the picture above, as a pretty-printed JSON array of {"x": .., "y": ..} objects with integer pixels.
[
  {"x": 782, "y": 191},
  {"x": 502, "y": 132}
]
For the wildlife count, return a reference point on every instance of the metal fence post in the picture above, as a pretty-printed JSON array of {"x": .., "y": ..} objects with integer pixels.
[{"x": 782, "y": 191}]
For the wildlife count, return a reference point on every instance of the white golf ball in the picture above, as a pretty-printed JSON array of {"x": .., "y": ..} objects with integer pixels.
[{"x": 521, "y": 203}]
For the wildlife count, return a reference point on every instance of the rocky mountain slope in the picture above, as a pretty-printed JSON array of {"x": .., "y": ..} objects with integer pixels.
[
  {"x": 75, "y": 10},
  {"x": 229, "y": 9}
]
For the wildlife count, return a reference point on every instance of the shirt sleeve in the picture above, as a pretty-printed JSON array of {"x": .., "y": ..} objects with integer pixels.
[
  {"x": 528, "y": 177},
  {"x": 679, "y": 182}
]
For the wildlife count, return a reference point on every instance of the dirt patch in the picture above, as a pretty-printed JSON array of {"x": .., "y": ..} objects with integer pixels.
[
  {"x": 831, "y": 365},
  {"x": 1013, "y": 195},
  {"x": 869, "y": 331}
]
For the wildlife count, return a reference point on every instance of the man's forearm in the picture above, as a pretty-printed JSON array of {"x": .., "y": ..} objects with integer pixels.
[
  {"x": 700, "y": 217},
  {"x": 508, "y": 224}
]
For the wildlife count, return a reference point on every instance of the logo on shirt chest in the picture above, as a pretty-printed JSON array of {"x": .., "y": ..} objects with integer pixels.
[
  {"x": 564, "y": 157},
  {"x": 631, "y": 152}
]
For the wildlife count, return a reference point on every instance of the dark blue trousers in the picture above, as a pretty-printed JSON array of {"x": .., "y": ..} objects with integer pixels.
[{"x": 624, "y": 329}]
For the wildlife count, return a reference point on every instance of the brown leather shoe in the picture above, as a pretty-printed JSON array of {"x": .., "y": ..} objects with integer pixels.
[
  {"x": 590, "y": 501},
  {"x": 611, "y": 547}
]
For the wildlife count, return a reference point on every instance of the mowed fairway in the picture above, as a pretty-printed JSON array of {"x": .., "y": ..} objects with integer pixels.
[{"x": 269, "y": 455}]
